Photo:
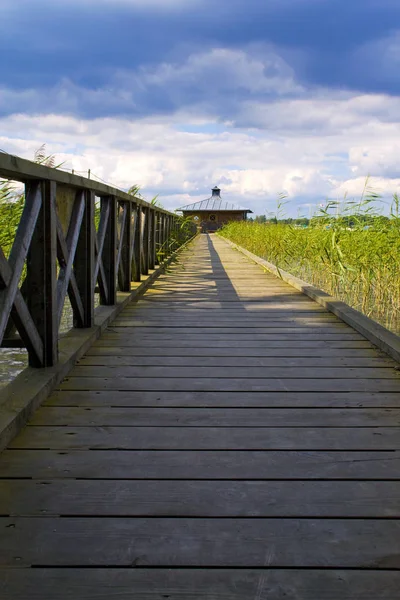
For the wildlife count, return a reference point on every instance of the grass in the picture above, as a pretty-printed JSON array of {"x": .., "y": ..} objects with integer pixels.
[{"x": 358, "y": 264}]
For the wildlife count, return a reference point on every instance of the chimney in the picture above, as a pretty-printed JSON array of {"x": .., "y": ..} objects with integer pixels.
[{"x": 216, "y": 191}]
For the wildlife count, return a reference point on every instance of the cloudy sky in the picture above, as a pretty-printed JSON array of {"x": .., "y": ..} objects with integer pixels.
[{"x": 257, "y": 96}]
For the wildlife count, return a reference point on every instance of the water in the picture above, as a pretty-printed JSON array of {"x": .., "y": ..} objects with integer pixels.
[
  {"x": 15, "y": 360},
  {"x": 12, "y": 362}
]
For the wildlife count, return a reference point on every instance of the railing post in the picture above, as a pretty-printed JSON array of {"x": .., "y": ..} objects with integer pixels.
[
  {"x": 126, "y": 242},
  {"x": 84, "y": 261},
  {"x": 157, "y": 237},
  {"x": 168, "y": 234},
  {"x": 152, "y": 247},
  {"x": 146, "y": 240},
  {"x": 137, "y": 250},
  {"x": 41, "y": 274},
  {"x": 164, "y": 235},
  {"x": 110, "y": 251}
]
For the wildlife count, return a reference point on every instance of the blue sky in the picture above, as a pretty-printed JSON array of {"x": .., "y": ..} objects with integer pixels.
[{"x": 258, "y": 96}]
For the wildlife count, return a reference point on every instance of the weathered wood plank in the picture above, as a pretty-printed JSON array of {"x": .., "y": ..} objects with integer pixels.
[
  {"x": 218, "y": 417},
  {"x": 297, "y": 344},
  {"x": 261, "y": 326},
  {"x": 113, "y": 359},
  {"x": 372, "y": 499},
  {"x": 200, "y": 542},
  {"x": 226, "y": 385},
  {"x": 215, "y": 399},
  {"x": 220, "y": 434},
  {"x": 246, "y": 372},
  {"x": 261, "y": 333},
  {"x": 120, "y": 464},
  {"x": 196, "y": 584},
  {"x": 207, "y": 438}
]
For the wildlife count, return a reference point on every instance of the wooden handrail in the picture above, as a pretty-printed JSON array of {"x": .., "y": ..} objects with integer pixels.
[{"x": 58, "y": 251}]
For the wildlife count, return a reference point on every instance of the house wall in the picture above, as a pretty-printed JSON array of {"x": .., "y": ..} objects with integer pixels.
[{"x": 207, "y": 223}]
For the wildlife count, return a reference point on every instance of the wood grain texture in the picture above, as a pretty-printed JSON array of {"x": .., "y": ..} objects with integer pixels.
[
  {"x": 204, "y": 542},
  {"x": 200, "y": 584},
  {"x": 233, "y": 384},
  {"x": 377, "y": 499},
  {"x": 61, "y": 437},
  {"x": 218, "y": 417},
  {"x": 217, "y": 399},
  {"x": 226, "y": 437},
  {"x": 237, "y": 464}
]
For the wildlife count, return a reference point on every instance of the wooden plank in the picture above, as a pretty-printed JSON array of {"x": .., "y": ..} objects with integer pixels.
[
  {"x": 97, "y": 358},
  {"x": 234, "y": 385},
  {"x": 246, "y": 307},
  {"x": 164, "y": 312},
  {"x": 186, "y": 464},
  {"x": 207, "y": 438},
  {"x": 372, "y": 499},
  {"x": 260, "y": 326},
  {"x": 217, "y": 333},
  {"x": 264, "y": 353},
  {"x": 190, "y": 298},
  {"x": 196, "y": 584},
  {"x": 239, "y": 372},
  {"x": 108, "y": 339},
  {"x": 215, "y": 399},
  {"x": 218, "y": 417},
  {"x": 200, "y": 542},
  {"x": 232, "y": 354}
]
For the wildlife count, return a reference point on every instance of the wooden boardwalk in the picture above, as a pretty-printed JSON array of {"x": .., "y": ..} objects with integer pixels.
[{"x": 227, "y": 438}]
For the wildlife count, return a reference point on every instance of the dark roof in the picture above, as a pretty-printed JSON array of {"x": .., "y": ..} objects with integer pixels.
[{"x": 214, "y": 203}]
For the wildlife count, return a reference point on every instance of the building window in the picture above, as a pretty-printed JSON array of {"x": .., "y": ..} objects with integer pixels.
[{"x": 213, "y": 218}]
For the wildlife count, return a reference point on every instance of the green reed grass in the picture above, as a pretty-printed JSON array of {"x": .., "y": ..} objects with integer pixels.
[{"x": 359, "y": 265}]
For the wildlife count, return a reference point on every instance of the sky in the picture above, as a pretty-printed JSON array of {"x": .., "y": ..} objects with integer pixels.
[{"x": 259, "y": 97}]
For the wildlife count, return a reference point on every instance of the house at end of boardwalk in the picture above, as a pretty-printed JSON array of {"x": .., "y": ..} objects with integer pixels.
[{"x": 214, "y": 212}]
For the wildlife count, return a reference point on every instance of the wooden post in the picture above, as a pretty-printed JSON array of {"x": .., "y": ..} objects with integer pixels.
[
  {"x": 164, "y": 235},
  {"x": 157, "y": 237},
  {"x": 110, "y": 251},
  {"x": 167, "y": 235},
  {"x": 152, "y": 247},
  {"x": 137, "y": 250},
  {"x": 126, "y": 241},
  {"x": 84, "y": 261},
  {"x": 146, "y": 236},
  {"x": 42, "y": 275}
]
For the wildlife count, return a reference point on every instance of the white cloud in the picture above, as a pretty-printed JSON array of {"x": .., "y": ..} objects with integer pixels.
[
  {"x": 280, "y": 137},
  {"x": 252, "y": 166},
  {"x": 256, "y": 69}
]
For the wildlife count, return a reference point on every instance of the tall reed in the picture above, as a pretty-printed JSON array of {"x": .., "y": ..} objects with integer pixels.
[{"x": 354, "y": 256}]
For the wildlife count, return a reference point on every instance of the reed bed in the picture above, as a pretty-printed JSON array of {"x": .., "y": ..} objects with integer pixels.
[{"x": 358, "y": 265}]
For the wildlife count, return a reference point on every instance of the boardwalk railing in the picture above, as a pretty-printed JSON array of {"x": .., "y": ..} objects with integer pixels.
[{"x": 76, "y": 237}]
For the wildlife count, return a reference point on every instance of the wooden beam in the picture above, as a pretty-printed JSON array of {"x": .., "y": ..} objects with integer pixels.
[
  {"x": 110, "y": 252},
  {"x": 124, "y": 250},
  {"x": 84, "y": 261},
  {"x": 42, "y": 275},
  {"x": 137, "y": 249}
]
